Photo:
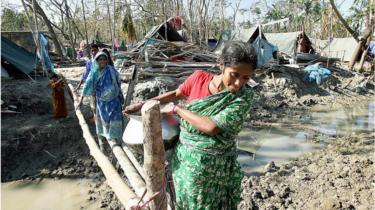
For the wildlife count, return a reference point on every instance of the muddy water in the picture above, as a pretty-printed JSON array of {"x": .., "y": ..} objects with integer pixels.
[
  {"x": 47, "y": 194},
  {"x": 283, "y": 143},
  {"x": 276, "y": 144}
]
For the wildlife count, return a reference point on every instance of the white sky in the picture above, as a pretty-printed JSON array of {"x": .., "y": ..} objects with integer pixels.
[{"x": 343, "y": 6}]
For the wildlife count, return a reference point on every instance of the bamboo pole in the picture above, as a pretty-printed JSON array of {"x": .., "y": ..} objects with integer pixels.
[
  {"x": 135, "y": 162},
  {"x": 154, "y": 155},
  {"x": 126, "y": 196},
  {"x": 135, "y": 179},
  {"x": 37, "y": 39},
  {"x": 127, "y": 166}
]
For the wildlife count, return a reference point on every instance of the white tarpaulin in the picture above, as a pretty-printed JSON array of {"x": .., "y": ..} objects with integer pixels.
[
  {"x": 244, "y": 34},
  {"x": 286, "y": 42},
  {"x": 319, "y": 44},
  {"x": 342, "y": 48}
]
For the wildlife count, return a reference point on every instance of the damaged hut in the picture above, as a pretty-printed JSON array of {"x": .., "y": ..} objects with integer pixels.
[
  {"x": 293, "y": 45},
  {"x": 341, "y": 48},
  {"x": 253, "y": 36}
]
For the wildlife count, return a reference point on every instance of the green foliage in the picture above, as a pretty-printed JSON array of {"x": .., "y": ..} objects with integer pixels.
[
  {"x": 128, "y": 26},
  {"x": 216, "y": 26},
  {"x": 316, "y": 17},
  {"x": 13, "y": 21},
  {"x": 359, "y": 10}
]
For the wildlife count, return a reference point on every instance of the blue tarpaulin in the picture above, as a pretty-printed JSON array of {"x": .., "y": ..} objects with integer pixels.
[
  {"x": 47, "y": 61},
  {"x": 22, "y": 60},
  {"x": 316, "y": 73},
  {"x": 372, "y": 48},
  {"x": 264, "y": 50}
]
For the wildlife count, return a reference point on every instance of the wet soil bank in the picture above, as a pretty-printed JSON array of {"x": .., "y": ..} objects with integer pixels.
[
  {"x": 340, "y": 176},
  {"x": 36, "y": 147}
]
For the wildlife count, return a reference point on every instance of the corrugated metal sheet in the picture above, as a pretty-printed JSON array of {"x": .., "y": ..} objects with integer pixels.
[{"x": 18, "y": 56}]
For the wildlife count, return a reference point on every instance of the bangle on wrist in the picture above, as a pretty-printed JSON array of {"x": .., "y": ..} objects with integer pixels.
[{"x": 174, "y": 109}]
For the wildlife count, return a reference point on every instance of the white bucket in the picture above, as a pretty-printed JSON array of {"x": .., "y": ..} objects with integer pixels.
[{"x": 134, "y": 130}]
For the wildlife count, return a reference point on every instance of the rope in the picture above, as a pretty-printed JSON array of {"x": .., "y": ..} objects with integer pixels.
[{"x": 151, "y": 198}]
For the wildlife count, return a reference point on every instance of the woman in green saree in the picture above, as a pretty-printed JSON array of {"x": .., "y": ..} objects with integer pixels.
[{"x": 205, "y": 171}]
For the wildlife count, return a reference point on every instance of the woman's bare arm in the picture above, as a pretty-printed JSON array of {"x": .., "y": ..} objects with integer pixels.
[
  {"x": 171, "y": 96},
  {"x": 202, "y": 123}
]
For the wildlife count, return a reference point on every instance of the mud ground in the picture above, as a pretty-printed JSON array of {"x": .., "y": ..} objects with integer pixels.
[
  {"x": 34, "y": 145},
  {"x": 341, "y": 176}
]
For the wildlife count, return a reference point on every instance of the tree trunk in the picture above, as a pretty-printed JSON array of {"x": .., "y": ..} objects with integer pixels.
[
  {"x": 360, "y": 46},
  {"x": 50, "y": 29},
  {"x": 343, "y": 21},
  {"x": 222, "y": 27},
  {"x": 87, "y": 39},
  {"x": 33, "y": 28},
  {"x": 71, "y": 39},
  {"x": 114, "y": 27},
  {"x": 191, "y": 20},
  {"x": 364, "y": 54},
  {"x": 109, "y": 22},
  {"x": 154, "y": 155},
  {"x": 96, "y": 19}
]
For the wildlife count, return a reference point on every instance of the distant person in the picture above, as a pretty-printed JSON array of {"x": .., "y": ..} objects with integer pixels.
[
  {"x": 110, "y": 61},
  {"x": 80, "y": 54},
  {"x": 94, "y": 51},
  {"x": 58, "y": 96},
  {"x": 371, "y": 48},
  {"x": 103, "y": 82}
]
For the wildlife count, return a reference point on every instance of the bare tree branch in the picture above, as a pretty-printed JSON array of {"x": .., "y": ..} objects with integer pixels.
[{"x": 343, "y": 21}]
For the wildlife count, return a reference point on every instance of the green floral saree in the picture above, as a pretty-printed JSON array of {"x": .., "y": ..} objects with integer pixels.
[{"x": 206, "y": 174}]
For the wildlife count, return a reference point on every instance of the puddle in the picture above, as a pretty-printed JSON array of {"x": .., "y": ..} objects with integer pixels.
[
  {"x": 279, "y": 144},
  {"x": 48, "y": 194}
]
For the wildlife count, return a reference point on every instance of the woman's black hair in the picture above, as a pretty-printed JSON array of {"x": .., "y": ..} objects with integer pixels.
[
  {"x": 94, "y": 46},
  {"x": 110, "y": 61},
  {"x": 237, "y": 52}
]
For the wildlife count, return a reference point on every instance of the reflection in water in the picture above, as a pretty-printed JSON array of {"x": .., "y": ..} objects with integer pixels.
[
  {"x": 47, "y": 194},
  {"x": 282, "y": 144}
]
